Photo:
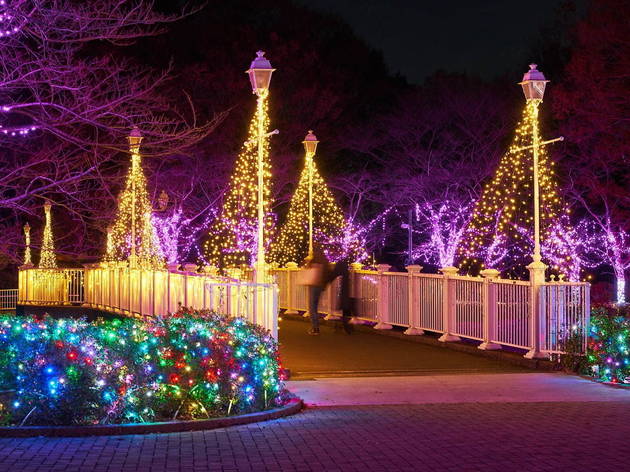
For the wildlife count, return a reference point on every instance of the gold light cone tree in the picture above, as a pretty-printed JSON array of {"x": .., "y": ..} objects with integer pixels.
[
  {"x": 47, "y": 258},
  {"x": 232, "y": 239},
  {"x": 329, "y": 225},
  {"x": 500, "y": 233},
  {"x": 132, "y": 238}
]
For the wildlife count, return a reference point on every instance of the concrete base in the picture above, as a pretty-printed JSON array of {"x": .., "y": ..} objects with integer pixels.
[
  {"x": 381, "y": 325},
  {"x": 306, "y": 314},
  {"x": 489, "y": 346},
  {"x": 414, "y": 332},
  {"x": 332, "y": 317},
  {"x": 449, "y": 338},
  {"x": 291, "y": 312},
  {"x": 536, "y": 355},
  {"x": 355, "y": 321}
]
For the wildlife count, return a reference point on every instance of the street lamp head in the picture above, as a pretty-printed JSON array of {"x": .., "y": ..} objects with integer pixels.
[
  {"x": 310, "y": 143},
  {"x": 47, "y": 206},
  {"x": 260, "y": 73},
  {"x": 27, "y": 228},
  {"x": 135, "y": 137},
  {"x": 533, "y": 83}
]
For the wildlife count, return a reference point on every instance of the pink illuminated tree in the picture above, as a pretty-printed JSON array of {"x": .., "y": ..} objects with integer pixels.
[{"x": 442, "y": 225}]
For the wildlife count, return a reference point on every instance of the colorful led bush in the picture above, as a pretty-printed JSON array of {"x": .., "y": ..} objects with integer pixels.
[
  {"x": 609, "y": 344},
  {"x": 193, "y": 365}
]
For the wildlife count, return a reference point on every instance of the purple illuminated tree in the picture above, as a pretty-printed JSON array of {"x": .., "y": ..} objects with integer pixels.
[{"x": 442, "y": 225}]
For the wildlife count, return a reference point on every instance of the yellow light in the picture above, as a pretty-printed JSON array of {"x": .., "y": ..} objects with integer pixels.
[{"x": 47, "y": 259}]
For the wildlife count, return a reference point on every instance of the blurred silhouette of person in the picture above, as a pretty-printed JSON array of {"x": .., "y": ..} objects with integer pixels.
[
  {"x": 346, "y": 302},
  {"x": 316, "y": 277}
]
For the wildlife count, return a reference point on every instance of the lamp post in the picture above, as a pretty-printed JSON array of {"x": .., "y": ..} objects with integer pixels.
[
  {"x": 27, "y": 240},
  {"x": 534, "y": 84},
  {"x": 134, "y": 138},
  {"x": 260, "y": 76},
  {"x": 310, "y": 146}
]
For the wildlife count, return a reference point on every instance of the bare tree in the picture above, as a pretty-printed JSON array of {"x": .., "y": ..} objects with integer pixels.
[{"x": 66, "y": 83}]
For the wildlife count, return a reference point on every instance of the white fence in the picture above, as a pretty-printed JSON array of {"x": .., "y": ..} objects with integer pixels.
[
  {"x": 495, "y": 311},
  {"x": 8, "y": 299},
  {"x": 140, "y": 292}
]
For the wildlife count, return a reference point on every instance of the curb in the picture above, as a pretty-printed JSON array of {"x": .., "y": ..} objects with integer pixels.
[
  {"x": 620, "y": 386},
  {"x": 461, "y": 346},
  {"x": 294, "y": 406}
]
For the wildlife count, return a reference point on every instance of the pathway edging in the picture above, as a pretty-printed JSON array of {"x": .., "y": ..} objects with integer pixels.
[{"x": 294, "y": 406}]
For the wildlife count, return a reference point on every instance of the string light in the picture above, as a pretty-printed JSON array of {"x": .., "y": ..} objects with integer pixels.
[
  {"x": 493, "y": 238},
  {"x": 47, "y": 259},
  {"x": 330, "y": 227},
  {"x": 233, "y": 238},
  {"x": 133, "y": 237},
  {"x": 608, "y": 354},
  {"x": 192, "y": 365},
  {"x": 27, "y": 240}
]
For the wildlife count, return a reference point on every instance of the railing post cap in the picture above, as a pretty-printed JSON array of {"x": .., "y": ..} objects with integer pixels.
[
  {"x": 190, "y": 267},
  {"x": 356, "y": 266},
  {"x": 490, "y": 273},
  {"x": 414, "y": 268},
  {"x": 383, "y": 267},
  {"x": 172, "y": 267},
  {"x": 450, "y": 270},
  {"x": 26, "y": 266},
  {"x": 291, "y": 265}
]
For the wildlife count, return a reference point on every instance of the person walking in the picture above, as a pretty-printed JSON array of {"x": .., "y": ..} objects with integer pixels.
[
  {"x": 317, "y": 274},
  {"x": 346, "y": 302}
]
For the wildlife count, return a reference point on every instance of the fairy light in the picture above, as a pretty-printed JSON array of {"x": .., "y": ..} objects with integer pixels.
[
  {"x": 178, "y": 235},
  {"x": 233, "y": 238},
  {"x": 608, "y": 353},
  {"x": 47, "y": 259},
  {"x": 27, "y": 241},
  {"x": 196, "y": 364},
  {"x": 505, "y": 207},
  {"x": 133, "y": 237},
  {"x": 329, "y": 224}
]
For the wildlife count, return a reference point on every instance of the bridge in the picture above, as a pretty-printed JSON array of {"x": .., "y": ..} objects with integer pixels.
[{"x": 495, "y": 312}]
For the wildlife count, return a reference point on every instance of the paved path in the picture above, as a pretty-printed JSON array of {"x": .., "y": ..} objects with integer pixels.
[
  {"x": 367, "y": 353},
  {"x": 565, "y": 436},
  {"x": 484, "y": 388}
]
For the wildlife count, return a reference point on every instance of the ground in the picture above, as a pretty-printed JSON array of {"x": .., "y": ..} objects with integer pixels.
[{"x": 451, "y": 411}]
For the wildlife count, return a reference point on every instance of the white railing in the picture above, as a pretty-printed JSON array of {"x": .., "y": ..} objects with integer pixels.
[
  {"x": 8, "y": 299},
  {"x": 495, "y": 311},
  {"x": 562, "y": 307},
  {"x": 142, "y": 292},
  {"x": 257, "y": 303}
]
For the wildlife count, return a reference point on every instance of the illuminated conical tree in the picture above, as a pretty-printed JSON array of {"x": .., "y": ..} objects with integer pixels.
[
  {"x": 232, "y": 239},
  {"x": 329, "y": 224},
  {"x": 132, "y": 237},
  {"x": 500, "y": 234},
  {"x": 47, "y": 259}
]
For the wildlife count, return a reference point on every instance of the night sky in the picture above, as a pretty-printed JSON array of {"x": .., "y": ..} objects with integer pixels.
[{"x": 417, "y": 37}]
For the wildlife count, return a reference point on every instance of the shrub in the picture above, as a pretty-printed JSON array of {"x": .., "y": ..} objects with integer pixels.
[
  {"x": 193, "y": 364},
  {"x": 608, "y": 353}
]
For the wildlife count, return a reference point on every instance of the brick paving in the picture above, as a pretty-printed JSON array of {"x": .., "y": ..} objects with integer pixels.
[{"x": 487, "y": 437}]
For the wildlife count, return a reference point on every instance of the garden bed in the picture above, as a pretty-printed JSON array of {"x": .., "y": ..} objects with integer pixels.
[{"x": 121, "y": 375}]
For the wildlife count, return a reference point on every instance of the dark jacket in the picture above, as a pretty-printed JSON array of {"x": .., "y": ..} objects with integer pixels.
[{"x": 342, "y": 269}]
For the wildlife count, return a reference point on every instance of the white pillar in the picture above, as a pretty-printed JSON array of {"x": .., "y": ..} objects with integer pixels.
[
  {"x": 489, "y": 310},
  {"x": 536, "y": 280},
  {"x": 291, "y": 288},
  {"x": 414, "y": 312},
  {"x": 448, "y": 305},
  {"x": 383, "y": 298}
]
